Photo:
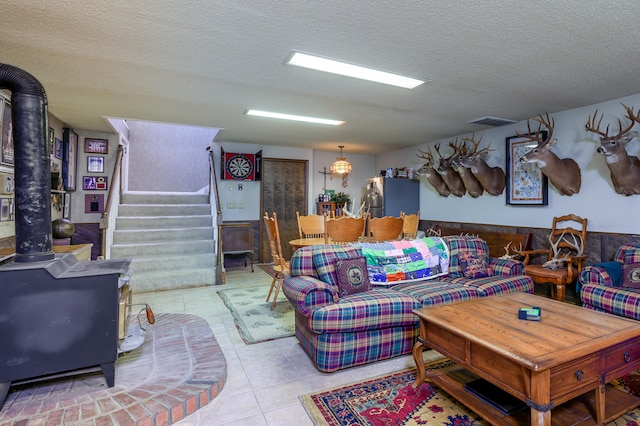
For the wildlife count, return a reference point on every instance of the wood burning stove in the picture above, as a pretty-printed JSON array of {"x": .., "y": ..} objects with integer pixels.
[{"x": 57, "y": 315}]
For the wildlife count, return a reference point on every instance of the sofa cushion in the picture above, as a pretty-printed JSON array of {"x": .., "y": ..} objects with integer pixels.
[
  {"x": 394, "y": 262},
  {"x": 614, "y": 269},
  {"x": 473, "y": 265},
  {"x": 631, "y": 275},
  {"x": 375, "y": 309},
  {"x": 352, "y": 276},
  {"x": 459, "y": 244},
  {"x": 437, "y": 292},
  {"x": 325, "y": 257}
]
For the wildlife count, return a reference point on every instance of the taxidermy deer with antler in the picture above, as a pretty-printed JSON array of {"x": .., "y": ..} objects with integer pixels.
[
  {"x": 624, "y": 168},
  {"x": 563, "y": 173},
  {"x": 432, "y": 174},
  {"x": 492, "y": 179},
  {"x": 449, "y": 175},
  {"x": 471, "y": 183}
]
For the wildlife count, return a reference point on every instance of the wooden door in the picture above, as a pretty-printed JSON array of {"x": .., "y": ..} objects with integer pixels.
[{"x": 284, "y": 191}]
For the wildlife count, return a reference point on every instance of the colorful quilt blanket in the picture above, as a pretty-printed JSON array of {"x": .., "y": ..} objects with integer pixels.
[{"x": 396, "y": 262}]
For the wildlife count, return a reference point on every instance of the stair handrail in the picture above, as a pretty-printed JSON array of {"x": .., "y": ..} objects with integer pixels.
[
  {"x": 213, "y": 181},
  {"x": 104, "y": 219}
]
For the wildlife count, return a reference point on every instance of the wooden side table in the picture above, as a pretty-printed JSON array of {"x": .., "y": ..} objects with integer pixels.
[{"x": 237, "y": 238}]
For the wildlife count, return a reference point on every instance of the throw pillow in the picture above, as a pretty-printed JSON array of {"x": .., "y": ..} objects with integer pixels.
[
  {"x": 473, "y": 265},
  {"x": 614, "y": 269},
  {"x": 631, "y": 275},
  {"x": 352, "y": 276}
]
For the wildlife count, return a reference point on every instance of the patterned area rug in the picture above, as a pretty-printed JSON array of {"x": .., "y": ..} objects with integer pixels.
[
  {"x": 253, "y": 316},
  {"x": 268, "y": 268},
  {"x": 391, "y": 400}
]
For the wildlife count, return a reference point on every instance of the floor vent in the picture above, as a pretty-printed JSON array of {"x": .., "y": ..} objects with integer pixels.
[{"x": 491, "y": 121}]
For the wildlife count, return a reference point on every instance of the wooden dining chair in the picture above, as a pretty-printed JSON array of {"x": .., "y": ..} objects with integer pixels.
[
  {"x": 387, "y": 228},
  {"x": 565, "y": 256},
  {"x": 410, "y": 225},
  {"x": 280, "y": 265},
  {"x": 310, "y": 226},
  {"x": 343, "y": 229}
]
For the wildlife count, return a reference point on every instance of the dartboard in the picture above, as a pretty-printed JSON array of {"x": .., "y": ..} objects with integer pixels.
[{"x": 239, "y": 166}]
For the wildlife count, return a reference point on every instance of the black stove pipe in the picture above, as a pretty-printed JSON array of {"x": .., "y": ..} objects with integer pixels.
[{"x": 31, "y": 154}]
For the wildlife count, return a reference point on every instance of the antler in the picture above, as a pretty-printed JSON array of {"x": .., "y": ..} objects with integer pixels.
[
  {"x": 426, "y": 156},
  {"x": 508, "y": 254},
  {"x": 549, "y": 123},
  {"x": 630, "y": 115},
  {"x": 592, "y": 127}
]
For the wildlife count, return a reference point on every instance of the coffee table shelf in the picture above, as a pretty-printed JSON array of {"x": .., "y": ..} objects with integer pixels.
[{"x": 574, "y": 412}]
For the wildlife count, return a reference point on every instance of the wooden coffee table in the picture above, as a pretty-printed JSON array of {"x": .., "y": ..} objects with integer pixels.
[{"x": 559, "y": 366}]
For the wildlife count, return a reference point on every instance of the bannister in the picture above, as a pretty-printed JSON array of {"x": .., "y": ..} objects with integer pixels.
[
  {"x": 104, "y": 219},
  {"x": 213, "y": 182}
]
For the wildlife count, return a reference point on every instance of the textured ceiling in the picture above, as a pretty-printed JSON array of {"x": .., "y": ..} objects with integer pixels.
[{"x": 203, "y": 62}]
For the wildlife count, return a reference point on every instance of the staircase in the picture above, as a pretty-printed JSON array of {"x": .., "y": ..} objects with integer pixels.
[{"x": 169, "y": 237}]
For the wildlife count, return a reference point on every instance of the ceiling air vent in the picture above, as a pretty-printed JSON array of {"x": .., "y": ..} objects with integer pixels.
[{"x": 491, "y": 121}]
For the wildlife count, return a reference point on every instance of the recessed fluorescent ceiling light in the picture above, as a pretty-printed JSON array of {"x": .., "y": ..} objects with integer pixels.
[
  {"x": 293, "y": 117},
  {"x": 350, "y": 70}
]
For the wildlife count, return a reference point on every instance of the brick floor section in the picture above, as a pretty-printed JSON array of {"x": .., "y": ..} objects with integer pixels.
[{"x": 179, "y": 368}]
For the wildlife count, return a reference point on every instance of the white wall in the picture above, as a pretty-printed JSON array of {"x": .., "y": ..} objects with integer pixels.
[{"x": 606, "y": 210}]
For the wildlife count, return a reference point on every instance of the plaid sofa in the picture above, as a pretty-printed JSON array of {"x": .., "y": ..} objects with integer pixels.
[
  {"x": 599, "y": 291},
  {"x": 341, "y": 332}
]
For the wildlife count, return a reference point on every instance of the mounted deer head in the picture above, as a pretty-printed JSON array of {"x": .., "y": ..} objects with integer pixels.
[
  {"x": 624, "y": 168},
  {"x": 471, "y": 183},
  {"x": 449, "y": 175},
  {"x": 492, "y": 179},
  {"x": 558, "y": 262},
  {"x": 564, "y": 174},
  {"x": 432, "y": 174}
]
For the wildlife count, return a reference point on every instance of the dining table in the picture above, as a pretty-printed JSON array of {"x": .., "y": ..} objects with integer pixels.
[{"x": 304, "y": 242}]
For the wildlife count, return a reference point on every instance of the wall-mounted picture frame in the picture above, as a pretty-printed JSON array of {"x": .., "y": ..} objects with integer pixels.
[
  {"x": 95, "y": 164},
  {"x": 526, "y": 184},
  {"x": 57, "y": 149},
  {"x": 66, "y": 211},
  {"x": 7, "y": 209},
  {"x": 7, "y": 152},
  {"x": 96, "y": 146},
  {"x": 94, "y": 183},
  {"x": 52, "y": 139},
  {"x": 69, "y": 158}
]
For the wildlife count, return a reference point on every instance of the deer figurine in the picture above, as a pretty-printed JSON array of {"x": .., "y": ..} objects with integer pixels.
[
  {"x": 449, "y": 175},
  {"x": 471, "y": 183},
  {"x": 564, "y": 173},
  {"x": 492, "y": 179},
  {"x": 432, "y": 174},
  {"x": 624, "y": 168}
]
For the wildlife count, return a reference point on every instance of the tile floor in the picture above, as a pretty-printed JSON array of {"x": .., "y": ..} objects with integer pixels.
[{"x": 264, "y": 379}]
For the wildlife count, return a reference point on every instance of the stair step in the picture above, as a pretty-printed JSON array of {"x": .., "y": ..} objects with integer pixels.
[
  {"x": 164, "y": 198},
  {"x": 164, "y": 248},
  {"x": 142, "y": 282},
  {"x": 157, "y": 222},
  {"x": 162, "y": 235},
  {"x": 146, "y": 210},
  {"x": 158, "y": 263}
]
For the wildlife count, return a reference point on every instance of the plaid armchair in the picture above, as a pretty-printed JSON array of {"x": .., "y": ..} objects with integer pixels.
[{"x": 601, "y": 285}]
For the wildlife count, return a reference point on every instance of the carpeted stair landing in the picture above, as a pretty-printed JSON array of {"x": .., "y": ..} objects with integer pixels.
[{"x": 169, "y": 237}]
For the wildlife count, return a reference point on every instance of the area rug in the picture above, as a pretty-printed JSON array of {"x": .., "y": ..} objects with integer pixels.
[
  {"x": 268, "y": 268},
  {"x": 391, "y": 400},
  {"x": 255, "y": 320}
]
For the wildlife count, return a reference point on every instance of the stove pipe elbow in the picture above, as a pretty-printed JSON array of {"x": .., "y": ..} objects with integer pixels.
[{"x": 31, "y": 155}]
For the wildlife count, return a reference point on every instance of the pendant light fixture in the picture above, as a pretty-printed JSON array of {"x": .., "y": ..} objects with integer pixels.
[{"x": 341, "y": 165}]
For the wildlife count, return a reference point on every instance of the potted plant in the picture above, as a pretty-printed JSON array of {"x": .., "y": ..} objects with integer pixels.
[{"x": 341, "y": 199}]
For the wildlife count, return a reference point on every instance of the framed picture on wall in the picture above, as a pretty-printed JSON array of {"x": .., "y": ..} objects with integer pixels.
[
  {"x": 69, "y": 158},
  {"x": 526, "y": 184},
  {"x": 66, "y": 211},
  {"x": 94, "y": 183},
  {"x": 96, "y": 146},
  {"x": 58, "y": 148},
  {"x": 7, "y": 152},
  {"x": 95, "y": 164}
]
